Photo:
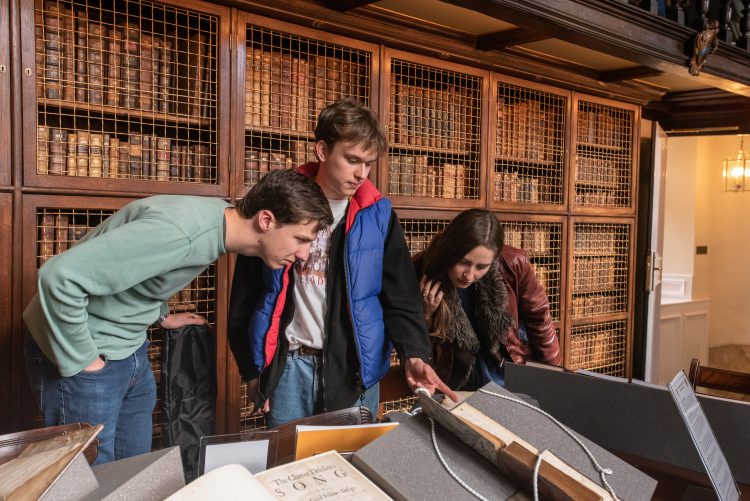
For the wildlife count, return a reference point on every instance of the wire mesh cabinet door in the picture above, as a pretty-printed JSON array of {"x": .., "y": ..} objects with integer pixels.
[
  {"x": 605, "y": 156},
  {"x": 124, "y": 96}
]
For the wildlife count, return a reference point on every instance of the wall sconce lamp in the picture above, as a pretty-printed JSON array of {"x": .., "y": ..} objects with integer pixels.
[{"x": 737, "y": 170}]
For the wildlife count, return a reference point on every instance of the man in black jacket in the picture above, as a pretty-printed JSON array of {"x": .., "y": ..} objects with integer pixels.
[{"x": 317, "y": 336}]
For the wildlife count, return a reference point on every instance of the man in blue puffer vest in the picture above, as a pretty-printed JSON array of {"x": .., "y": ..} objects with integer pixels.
[{"x": 317, "y": 335}]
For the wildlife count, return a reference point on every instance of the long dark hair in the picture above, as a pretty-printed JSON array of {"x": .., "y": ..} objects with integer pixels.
[{"x": 468, "y": 230}]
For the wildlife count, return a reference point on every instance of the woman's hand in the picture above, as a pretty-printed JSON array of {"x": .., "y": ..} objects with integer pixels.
[{"x": 431, "y": 298}]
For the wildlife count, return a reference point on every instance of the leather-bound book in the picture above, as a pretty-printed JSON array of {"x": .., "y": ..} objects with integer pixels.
[
  {"x": 72, "y": 163},
  {"x": 136, "y": 156},
  {"x": 95, "y": 59},
  {"x": 57, "y": 150},
  {"x": 82, "y": 154},
  {"x": 162, "y": 158},
  {"x": 114, "y": 61},
  {"x": 114, "y": 158},
  {"x": 42, "y": 149},
  {"x": 146, "y": 76},
  {"x": 96, "y": 145}
]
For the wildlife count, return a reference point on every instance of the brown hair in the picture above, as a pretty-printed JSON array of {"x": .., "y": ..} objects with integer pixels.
[
  {"x": 350, "y": 121},
  {"x": 468, "y": 230},
  {"x": 292, "y": 197}
]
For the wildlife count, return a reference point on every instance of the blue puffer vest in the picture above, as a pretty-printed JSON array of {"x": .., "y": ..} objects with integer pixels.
[{"x": 367, "y": 220}]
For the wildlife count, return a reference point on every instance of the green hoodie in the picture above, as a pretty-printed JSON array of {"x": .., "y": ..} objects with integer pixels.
[{"x": 100, "y": 296}]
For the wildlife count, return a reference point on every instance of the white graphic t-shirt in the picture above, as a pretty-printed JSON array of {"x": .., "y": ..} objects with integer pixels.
[{"x": 310, "y": 281}]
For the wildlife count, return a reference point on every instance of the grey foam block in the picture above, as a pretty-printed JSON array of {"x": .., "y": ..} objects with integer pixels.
[
  {"x": 637, "y": 419},
  {"x": 76, "y": 482},
  {"x": 404, "y": 463},
  {"x": 151, "y": 476}
]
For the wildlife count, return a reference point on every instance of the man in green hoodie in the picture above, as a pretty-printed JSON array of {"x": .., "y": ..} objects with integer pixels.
[{"x": 86, "y": 355}]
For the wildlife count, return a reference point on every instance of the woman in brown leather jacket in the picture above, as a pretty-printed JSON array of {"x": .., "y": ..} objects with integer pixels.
[{"x": 473, "y": 299}]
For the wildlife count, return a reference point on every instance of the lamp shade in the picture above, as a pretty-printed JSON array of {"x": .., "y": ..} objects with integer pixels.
[{"x": 736, "y": 171}]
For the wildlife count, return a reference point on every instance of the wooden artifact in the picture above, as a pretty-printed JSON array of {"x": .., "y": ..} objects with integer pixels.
[{"x": 514, "y": 457}]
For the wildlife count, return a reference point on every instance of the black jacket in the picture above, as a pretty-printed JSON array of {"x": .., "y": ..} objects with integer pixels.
[{"x": 402, "y": 311}]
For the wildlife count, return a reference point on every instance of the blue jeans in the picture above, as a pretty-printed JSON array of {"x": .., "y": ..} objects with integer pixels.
[
  {"x": 121, "y": 396},
  {"x": 299, "y": 392}
]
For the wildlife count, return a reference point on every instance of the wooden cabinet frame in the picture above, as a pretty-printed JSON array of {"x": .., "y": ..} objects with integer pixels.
[
  {"x": 591, "y": 320},
  {"x": 135, "y": 186},
  {"x": 6, "y": 305},
  {"x": 5, "y": 107}
]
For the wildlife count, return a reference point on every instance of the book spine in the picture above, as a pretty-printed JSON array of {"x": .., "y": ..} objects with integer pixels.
[
  {"x": 114, "y": 61},
  {"x": 163, "y": 148},
  {"x": 52, "y": 51},
  {"x": 114, "y": 158},
  {"x": 68, "y": 53},
  {"x": 42, "y": 149},
  {"x": 72, "y": 160},
  {"x": 57, "y": 150},
  {"x": 61, "y": 233},
  {"x": 95, "y": 155},
  {"x": 106, "y": 155},
  {"x": 47, "y": 238},
  {"x": 136, "y": 156}
]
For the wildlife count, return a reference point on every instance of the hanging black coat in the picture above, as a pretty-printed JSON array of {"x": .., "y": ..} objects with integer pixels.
[{"x": 188, "y": 380}]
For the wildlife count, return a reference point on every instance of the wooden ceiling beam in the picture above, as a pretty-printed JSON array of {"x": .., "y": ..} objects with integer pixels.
[
  {"x": 508, "y": 38},
  {"x": 705, "y": 111},
  {"x": 626, "y": 31},
  {"x": 630, "y": 73},
  {"x": 345, "y": 5}
]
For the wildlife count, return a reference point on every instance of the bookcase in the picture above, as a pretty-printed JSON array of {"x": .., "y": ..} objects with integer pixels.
[
  {"x": 436, "y": 121},
  {"x": 125, "y": 96},
  {"x": 122, "y": 99},
  {"x": 59, "y": 221},
  {"x": 6, "y": 295},
  {"x": 529, "y": 157},
  {"x": 4, "y": 95},
  {"x": 605, "y": 153},
  {"x": 290, "y": 74},
  {"x": 600, "y": 294}
]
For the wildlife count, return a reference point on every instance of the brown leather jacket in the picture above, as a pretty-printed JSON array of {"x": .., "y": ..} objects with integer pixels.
[{"x": 528, "y": 300}]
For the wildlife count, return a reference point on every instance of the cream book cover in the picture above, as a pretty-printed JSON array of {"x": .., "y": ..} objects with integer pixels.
[{"x": 325, "y": 476}]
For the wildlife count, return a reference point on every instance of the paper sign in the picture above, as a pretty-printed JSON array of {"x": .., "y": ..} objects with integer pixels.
[{"x": 703, "y": 438}]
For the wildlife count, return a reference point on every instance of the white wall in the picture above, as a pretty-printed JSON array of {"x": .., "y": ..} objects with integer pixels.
[
  {"x": 699, "y": 212},
  {"x": 723, "y": 223}
]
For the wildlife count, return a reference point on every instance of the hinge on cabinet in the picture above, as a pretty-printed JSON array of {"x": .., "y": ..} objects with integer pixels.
[{"x": 653, "y": 266}]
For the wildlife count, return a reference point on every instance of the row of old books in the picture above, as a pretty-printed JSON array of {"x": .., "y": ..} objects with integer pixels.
[
  {"x": 602, "y": 198},
  {"x": 546, "y": 276},
  {"x": 142, "y": 156},
  {"x": 598, "y": 171},
  {"x": 57, "y": 232},
  {"x": 194, "y": 296},
  {"x": 284, "y": 91},
  {"x": 527, "y": 131},
  {"x": 602, "y": 128},
  {"x": 514, "y": 187},
  {"x": 257, "y": 163},
  {"x": 417, "y": 242},
  {"x": 412, "y": 176},
  {"x": 597, "y": 350},
  {"x": 534, "y": 240},
  {"x": 595, "y": 304},
  {"x": 83, "y": 61},
  {"x": 596, "y": 274},
  {"x": 593, "y": 240},
  {"x": 445, "y": 117}
]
